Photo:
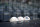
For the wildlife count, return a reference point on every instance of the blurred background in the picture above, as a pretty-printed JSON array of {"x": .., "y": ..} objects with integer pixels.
[{"x": 11, "y": 8}]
